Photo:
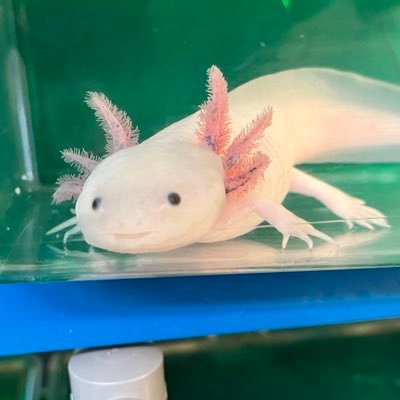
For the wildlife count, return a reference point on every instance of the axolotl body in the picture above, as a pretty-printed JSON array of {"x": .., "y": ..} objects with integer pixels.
[{"x": 220, "y": 172}]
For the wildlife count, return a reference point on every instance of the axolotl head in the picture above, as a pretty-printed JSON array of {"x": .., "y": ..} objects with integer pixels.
[
  {"x": 151, "y": 197},
  {"x": 164, "y": 193}
]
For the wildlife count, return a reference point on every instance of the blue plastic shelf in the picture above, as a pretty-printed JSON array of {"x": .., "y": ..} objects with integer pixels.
[{"x": 39, "y": 317}]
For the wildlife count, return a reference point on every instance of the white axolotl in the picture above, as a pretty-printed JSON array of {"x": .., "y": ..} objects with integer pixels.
[{"x": 220, "y": 172}]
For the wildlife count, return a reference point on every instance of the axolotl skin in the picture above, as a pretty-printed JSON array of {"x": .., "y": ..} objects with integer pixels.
[{"x": 217, "y": 174}]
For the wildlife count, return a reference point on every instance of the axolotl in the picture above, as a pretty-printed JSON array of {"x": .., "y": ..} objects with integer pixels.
[{"x": 220, "y": 172}]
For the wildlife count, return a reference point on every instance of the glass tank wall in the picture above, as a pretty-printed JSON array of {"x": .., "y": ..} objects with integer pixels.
[{"x": 150, "y": 58}]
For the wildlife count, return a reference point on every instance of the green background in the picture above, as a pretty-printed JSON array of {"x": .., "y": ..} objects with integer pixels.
[{"x": 150, "y": 57}]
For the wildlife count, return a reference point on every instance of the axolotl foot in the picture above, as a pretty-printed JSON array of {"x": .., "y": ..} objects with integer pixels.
[
  {"x": 354, "y": 211},
  {"x": 301, "y": 229}
]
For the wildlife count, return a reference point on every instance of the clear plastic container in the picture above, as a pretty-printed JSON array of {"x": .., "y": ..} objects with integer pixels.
[{"x": 150, "y": 58}]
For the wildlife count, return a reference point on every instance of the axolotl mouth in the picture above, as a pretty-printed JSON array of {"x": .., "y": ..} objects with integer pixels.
[{"x": 130, "y": 235}]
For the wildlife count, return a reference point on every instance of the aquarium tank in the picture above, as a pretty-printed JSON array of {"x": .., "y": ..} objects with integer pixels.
[{"x": 150, "y": 58}]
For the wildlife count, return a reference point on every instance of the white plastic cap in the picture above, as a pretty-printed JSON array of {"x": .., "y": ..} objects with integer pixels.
[{"x": 127, "y": 373}]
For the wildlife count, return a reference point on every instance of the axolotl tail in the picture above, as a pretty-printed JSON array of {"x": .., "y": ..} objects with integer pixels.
[{"x": 345, "y": 118}]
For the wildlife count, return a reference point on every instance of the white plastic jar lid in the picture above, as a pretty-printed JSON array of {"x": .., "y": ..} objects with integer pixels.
[{"x": 127, "y": 373}]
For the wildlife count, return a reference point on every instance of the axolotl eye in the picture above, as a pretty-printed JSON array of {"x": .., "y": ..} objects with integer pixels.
[
  {"x": 174, "y": 199},
  {"x": 96, "y": 203}
]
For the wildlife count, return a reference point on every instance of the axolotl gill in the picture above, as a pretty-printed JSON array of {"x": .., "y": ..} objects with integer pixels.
[{"x": 220, "y": 172}]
